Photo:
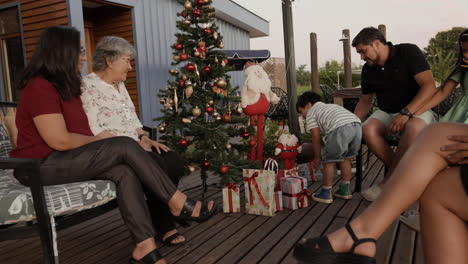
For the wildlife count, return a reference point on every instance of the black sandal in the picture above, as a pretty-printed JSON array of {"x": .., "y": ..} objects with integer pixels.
[
  {"x": 189, "y": 206},
  {"x": 150, "y": 258},
  {"x": 168, "y": 241},
  {"x": 308, "y": 253}
]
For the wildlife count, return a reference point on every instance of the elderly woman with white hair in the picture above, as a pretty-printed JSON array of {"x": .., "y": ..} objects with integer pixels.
[{"x": 111, "y": 112}]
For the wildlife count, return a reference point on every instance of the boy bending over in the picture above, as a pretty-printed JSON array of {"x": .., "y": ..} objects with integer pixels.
[{"x": 342, "y": 136}]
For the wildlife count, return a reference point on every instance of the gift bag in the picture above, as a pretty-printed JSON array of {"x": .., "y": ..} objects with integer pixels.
[
  {"x": 259, "y": 192},
  {"x": 295, "y": 194},
  {"x": 231, "y": 198},
  {"x": 307, "y": 170},
  {"x": 271, "y": 164}
]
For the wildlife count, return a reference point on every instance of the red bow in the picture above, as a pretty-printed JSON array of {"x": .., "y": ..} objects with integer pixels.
[
  {"x": 301, "y": 198},
  {"x": 233, "y": 186}
]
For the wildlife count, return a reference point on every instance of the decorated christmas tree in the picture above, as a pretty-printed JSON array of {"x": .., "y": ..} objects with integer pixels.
[{"x": 202, "y": 118}]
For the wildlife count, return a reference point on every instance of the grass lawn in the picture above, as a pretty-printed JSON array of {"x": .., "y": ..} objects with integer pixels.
[{"x": 302, "y": 89}]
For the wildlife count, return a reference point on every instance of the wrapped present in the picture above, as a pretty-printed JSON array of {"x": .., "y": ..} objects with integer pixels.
[
  {"x": 259, "y": 192},
  {"x": 295, "y": 193},
  {"x": 271, "y": 164},
  {"x": 307, "y": 170},
  {"x": 231, "y": 198},
  {"x": 278, "y": 201}
]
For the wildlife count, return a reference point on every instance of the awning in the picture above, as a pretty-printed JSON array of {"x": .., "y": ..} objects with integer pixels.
[{"x": 238, "y": 58}]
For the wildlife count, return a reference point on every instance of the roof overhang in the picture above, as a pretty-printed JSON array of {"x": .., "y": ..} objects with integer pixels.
[{"x": 241, "y": 17}]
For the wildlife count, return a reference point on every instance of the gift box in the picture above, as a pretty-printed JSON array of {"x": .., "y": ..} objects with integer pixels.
[
  {"x": 271, "y": 164},
  {"x": 278, "y": 201},
  {"x": 295, "y": 193},
  {"x": 307, "y": 170},
  {"x": 231, "y": 198},
  {"x": 259, "y": 192}
]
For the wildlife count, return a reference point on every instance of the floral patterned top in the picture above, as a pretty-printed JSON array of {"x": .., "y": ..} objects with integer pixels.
[{"x": 108, "y": 109}]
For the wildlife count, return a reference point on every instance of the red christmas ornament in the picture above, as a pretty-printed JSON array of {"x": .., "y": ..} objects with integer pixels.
[
  {"x": 227, "y": 118},
  {"x": 223, "y": 169},
  {"x": 183, "y": 142},
  {"x": 209, "y": 109},
  {"x": 179, "y": 47},
  {"x": 207, "y": 69},
  {"x": 252, "y": 142},
  {"x": 190, "y": 67},
  {"x": 207, "y": 30},
  {"x": 183, "y": 14},
  {"x": 205, "y": 164},
  {"x": 200, "y": 3},
  {"x": 183, "y": 56},
  {"x": 281, "y": 123},
  {"x": 245, "y": 135},
  {"x": 196, "y": 12},
  {"x": 181, "y": 83}
]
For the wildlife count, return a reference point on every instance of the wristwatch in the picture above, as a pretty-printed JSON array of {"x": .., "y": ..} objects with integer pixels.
[
  {"x": 406, "y": 112},
  {"x": 142, "y": 135}
]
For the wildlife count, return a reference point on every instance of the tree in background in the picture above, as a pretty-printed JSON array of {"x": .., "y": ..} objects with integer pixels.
[
  {"x": 202, "y": 116},
  {"x": 441, "y": 52},
  {"x": 303, "y": 75}
]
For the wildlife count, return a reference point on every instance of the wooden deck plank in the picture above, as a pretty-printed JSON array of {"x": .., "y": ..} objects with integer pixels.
[{"x": 225, "y": 238}]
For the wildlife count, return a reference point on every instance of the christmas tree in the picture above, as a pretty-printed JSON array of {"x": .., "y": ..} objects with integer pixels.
[{"x": 202, "y": 118}]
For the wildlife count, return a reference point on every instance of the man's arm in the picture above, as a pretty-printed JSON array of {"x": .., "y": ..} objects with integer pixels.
[
  {"x": 363, "y": 106},
  {"x": 427, "y": 90}
]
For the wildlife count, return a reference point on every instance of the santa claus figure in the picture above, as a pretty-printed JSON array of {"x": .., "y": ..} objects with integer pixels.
[
  {"x": 288, "y": 149},
  {"x": 256, "y": 96}
]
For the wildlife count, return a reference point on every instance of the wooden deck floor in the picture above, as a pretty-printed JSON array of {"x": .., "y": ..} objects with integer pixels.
[{"x": 231, "y": 238}]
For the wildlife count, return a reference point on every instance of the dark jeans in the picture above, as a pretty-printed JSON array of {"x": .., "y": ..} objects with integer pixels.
[
  {"x": 122, "y": 161},
  {"x": 173, "y": 165}
]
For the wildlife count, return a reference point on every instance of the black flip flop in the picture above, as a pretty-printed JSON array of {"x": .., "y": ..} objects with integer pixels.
[
  {"x": 168, "y": 241},
  {"x": 307, "y": 252}
]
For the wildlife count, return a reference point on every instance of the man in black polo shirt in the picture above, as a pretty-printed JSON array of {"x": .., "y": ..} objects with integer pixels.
[{"x": 400, "y": 77}]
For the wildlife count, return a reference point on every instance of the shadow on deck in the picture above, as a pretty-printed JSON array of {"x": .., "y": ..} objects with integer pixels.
[{"x": 225, "y": 238}]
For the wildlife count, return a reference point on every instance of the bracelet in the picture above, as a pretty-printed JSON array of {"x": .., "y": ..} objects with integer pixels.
[{"x": 141, "y": 135}]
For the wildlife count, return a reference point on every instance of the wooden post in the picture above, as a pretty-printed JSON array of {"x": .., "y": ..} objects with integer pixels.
[
  {"x": 383, "y": 29},
  {"x": 348, "y": 80},
  {"x": 314, "y": 79},
  {"x": 290, "y": 68}
]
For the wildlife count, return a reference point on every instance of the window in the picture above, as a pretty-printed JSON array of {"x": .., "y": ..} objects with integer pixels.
[{"x": 11, "y": 52}]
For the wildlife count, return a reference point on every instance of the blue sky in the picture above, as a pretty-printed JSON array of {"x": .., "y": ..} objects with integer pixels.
[{"x": 407, "y": 21}]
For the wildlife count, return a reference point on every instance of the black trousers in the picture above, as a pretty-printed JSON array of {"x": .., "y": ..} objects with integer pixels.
[
  {"x": 122, "y": 161},
  {"x": 173, "y": 166}
]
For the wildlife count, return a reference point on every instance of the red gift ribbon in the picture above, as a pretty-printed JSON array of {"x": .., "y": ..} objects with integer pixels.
[
  {"x": 300, "y": 196},
  {"x": 311, "y": 170},
  {"x": 231, "y": 186},
  {"x": 251, "y": 181}
]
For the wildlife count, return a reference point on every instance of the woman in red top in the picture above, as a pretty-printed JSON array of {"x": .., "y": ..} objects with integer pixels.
[{"x": 53, "y": 126}]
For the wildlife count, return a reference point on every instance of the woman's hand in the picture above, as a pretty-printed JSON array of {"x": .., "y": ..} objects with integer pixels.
[
  {"x": 146, "y": 143},
  {"x": 459, "y": 149}
]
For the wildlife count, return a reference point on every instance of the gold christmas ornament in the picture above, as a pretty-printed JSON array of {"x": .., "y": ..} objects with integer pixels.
[
  {"x": 214, "y": 147},
  {"x": 174, "y": 71},
  {"x": 184, "y": 77},
  {"x": 215, "y": 35},
  {"x": 176, "y": 99},
  {"x": 216, "y": 60},
  {"x": 215, "y": 114},
  {"x": 166, "y": 88},
  {"x": 187, "y": 21},
  {"x": 196, "y": 111},
  {"x": 162, "y": 127},
  {"x": 162, "y": 101},
  {"x": 188, "y": 92},
  {"x": 170, "y": 101},
  {"x": 196, "y": 53},
  {"x": 218, "y": 117},
  {"x": 239, "y": 108},
  {"x": 191, "y": 168},
  {"x": 211, "y": 102},
  {"x": 228, "y": 146},
  {"x": 221, "y": 45},
  {"x": 188, "y": 5},
  {"x": 221, "y": 83},
  {"x": 206, "y": 1},
  {"x": 186, "y": 121},
  {"x": 176, "y": 57}
]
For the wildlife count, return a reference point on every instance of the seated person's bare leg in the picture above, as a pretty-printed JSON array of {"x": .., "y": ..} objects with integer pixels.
[{"x": 373, "y": 132}]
